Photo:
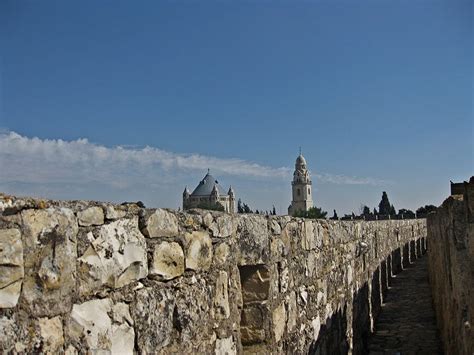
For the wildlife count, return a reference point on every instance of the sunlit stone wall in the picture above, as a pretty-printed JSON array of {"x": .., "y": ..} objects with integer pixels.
[{"x": 78, "y": 276}]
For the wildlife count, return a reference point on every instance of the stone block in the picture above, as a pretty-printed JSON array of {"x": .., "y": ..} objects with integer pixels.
[
  {"x": 221, "y": 297},
  {"x": 225, "y": 346},
  {"x": 49, "y": 257},
  {"x": 91, "y": 323},
  {"x": 161, "y": 223},
  {"x": 198, "y": 251},
  {"x": 11, "y": 267},
  {"x": 223, "y": 227},
  {"x": 254, "y": 242},
  {"x": 221, "y": 253},
  {"x": 154, "y": 309},
  {"x": 51, "y": 333},
  {"x": 92, "y": 216},
  {"x": 116, "y": 257},
  {"x": 252, "y": 325},
  {"x": 112, "y": 213},
  {"x": 279, "y": 322},
  {"x": 168, "y": 261}
]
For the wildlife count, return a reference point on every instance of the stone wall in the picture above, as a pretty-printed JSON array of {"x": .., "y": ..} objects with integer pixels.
[
  {"x": 451, "y": 270},
  {"x": 88, "y": 275}
]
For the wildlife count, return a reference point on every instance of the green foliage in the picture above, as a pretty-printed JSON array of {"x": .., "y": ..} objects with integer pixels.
[
  {"x": 423, "y": 211},
  {"x": 243, "y": 207},
  {"x": 366, "y": 211},
  {"x": 406, "y": 213},
  {"x": 313, "y": 212},
  {"x": 384, "y": 205},
  {"x": 211, "y": 206}
]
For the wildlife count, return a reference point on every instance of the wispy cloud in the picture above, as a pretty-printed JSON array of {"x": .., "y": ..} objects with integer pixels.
[
  {"x": 33, "y": 160},
  {"x": 350, "y": 180}
]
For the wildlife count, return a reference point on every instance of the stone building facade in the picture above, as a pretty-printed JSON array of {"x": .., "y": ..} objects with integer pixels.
[
  {"x": 209, "y": 194},
  {"x": 301, "y": 188}
]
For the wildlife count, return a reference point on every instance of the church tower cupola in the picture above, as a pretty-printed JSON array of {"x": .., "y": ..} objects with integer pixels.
[{"x": 301, "y": 187}]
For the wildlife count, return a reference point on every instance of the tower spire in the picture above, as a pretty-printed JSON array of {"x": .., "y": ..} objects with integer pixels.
[{"x": 300, "y": 150}]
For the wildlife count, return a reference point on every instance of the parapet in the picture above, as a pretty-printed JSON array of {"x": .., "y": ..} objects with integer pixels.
[{"x": 79, "y": 276}]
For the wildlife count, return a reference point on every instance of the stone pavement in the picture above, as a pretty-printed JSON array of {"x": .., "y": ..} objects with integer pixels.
[{"x": 406, "y": 323}]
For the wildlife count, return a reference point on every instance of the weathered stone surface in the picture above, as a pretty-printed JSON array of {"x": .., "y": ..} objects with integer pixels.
[
  {"x": 292, "y": 312},
  {"x": 154, "y": 308},
  {"x": 252, "y": 325},
  {"x": 112, "y": 213},
  {"x": 221, "y": 298},
  {"x": 253, "y": 240},
  {"x": 11, "y": 267},
  {"x": 279, "y": 321},
  {"x": 115, "y": 258},
  {"x": 225, "y": 346},
  {"x": 51, "y": 333},
  {"x": 8, "y": 334},
  {"x": 168, "y": 261},
  {"x": 253, "y": 284},
  {"x": 91, "y": 322},
  {"x": 92, "y": 216},
  {"x": 49, "y": 258},
  {"x": 223, "y": 227},
  {"x": 161, "y": 223},
  {"x": 451, "y": 270},
  {"x": 198, "y": 251},
  {"x": 221, "y": 253}
]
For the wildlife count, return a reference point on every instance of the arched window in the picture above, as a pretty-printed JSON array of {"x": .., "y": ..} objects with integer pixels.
[
  {"x": 298, "y": 192},
  {"x": 309, "y": 191}
]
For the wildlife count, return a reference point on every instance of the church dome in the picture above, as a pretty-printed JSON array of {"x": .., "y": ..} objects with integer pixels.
[{"x": 206, "y": 186}]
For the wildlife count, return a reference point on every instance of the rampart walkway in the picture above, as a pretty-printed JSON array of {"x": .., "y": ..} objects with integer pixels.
[{"x": 406, "y": 323}]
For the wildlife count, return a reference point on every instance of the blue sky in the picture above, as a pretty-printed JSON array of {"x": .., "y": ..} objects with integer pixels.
[{"x": 377, "y": 93}]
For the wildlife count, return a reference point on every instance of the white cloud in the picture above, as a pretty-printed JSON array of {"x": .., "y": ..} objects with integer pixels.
[{"x": 34, "y": 160}]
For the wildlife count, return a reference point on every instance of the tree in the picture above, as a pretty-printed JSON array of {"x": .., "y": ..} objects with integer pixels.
[
  {"x": 404, "y": 213},
  {"x": 274, "y": 212},
  {"x": 257, "y": 212},
  {"x": 247, "y": 209},
  {"x": 313, "y": 212},
  {"x": 240, "y": 208},
  {"x": 423, "y": 211},
  {"x": 375, "y": 211},
  {"x": 366, "y": 211},
  {"x": 334, "y": 216},
  {"x": 393, "y": 212},
  {"x": 384, "y": 205}
]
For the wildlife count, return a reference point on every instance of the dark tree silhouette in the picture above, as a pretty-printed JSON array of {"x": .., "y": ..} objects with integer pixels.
[
  {"x": 240, "y": 208},
  {"x": 404, "y": 213},
  {"x": 423, "y": 211},
  {"x": 274, "y": 212},
  {"x": 384, "y": 205},
  {"x": 334, "y": 216}
]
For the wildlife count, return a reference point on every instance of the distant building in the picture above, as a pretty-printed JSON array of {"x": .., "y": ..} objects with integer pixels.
[
  {"x": 209, "y": 195},
  {"x": 301, "y": 187}
]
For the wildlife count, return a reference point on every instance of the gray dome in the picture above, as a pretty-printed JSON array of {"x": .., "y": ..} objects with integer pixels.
[{"x": 206, "y": 185}]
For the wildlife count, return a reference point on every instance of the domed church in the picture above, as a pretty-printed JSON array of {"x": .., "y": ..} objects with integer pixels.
[
  {"x": 209, "y": 194},
  {"x": 301, "y": 187}
]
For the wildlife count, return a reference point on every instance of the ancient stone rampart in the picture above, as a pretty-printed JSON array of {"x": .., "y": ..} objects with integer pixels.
[
  {"x": 451, "y": 270},
  {"x": 87, "y": 275}
]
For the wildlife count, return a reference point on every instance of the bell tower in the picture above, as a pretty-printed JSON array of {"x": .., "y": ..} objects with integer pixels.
[{"x": 301, "y": 187}]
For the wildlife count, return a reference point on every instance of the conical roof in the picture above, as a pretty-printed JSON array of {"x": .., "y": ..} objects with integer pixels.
[{"x": 206, "y": 185}]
